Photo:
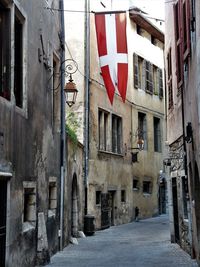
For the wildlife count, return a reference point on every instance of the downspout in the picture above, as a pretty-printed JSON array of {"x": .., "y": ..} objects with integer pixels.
[
  {"x": 62, "y": 119},
  {"x": 87, "y": 105}
]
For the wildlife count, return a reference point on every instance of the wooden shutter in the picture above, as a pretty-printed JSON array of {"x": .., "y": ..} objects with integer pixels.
[
  {"x": 143, "y": 81},
  {"x": 188, "y": 16},
  {"x": 178, "y": 44},
  {"x": 149, "y": 77},
  {"x": 160, "y": 83},
  {"x": 136, "y": 70}
]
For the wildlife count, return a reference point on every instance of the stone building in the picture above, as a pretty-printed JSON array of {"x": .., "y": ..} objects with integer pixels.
[
  {"x": 182, "y": 79},
  {"x": 29, "y": 131},
  {"x": 117, "y": 176},
  {"x": 120, "y": 176}
]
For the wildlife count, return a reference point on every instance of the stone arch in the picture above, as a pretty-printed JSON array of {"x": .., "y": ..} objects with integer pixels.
[{"x": 74, "y": 205}]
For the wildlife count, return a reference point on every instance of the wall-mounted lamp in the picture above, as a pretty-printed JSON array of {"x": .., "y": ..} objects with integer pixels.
[
  {"x": 70, "y": 92},
  {"x": 70, "y": 87},
  {"x": 140, "y": 144}
]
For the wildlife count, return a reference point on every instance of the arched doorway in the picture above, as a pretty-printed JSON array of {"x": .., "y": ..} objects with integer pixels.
[{"x": 74, "y": 210}]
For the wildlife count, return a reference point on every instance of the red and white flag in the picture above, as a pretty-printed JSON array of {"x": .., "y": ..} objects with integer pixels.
[{"x": 113, "y": 53}]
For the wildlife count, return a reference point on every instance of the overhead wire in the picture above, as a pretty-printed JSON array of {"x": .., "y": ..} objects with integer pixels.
[{"x": 93, "y": 12}]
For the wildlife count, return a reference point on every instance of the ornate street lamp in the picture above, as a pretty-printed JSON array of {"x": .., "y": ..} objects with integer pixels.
[
  {"x": 70, "y": 87},
  {"x": 70, "y": 92}
]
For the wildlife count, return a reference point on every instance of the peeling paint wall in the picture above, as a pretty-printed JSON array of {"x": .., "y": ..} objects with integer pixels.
[
  {"x": 74, "y": 181},
  {"x": 31, "y": 142},
  {"x": 109, "y": 172}
]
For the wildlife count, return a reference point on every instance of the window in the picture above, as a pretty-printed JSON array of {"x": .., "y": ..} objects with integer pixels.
[
  {"x": 135, "y": 184},
  {"x": 149, "y": 77},
  {"x": 29, "y": 213},
  {"x": 157, "y": 134},
  {"x": 153, "y": 40},
  {"x": 182, "y": 37},
  {"x": 116, "y": 134},
  {"x": 147, "y": 187},
  {"x": 138, "y": 63},
  {"x": 98, "y": 197},
  {"x": 169, "y": 79},
  {"x": 123, "y": 195},
  {"x": 4, "y": 53},
  {"x": 186, "y": 27},
  {"x": 138, "y": 29},
  {"x": 103, "y": 130},
  {"x": 52, "y": 196},
  {"x": 142, "y": 128},
  {"x": 18, "y": 67}
]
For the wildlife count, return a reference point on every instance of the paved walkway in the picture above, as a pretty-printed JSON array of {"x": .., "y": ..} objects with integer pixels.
[{"x": 139, "y": 244}]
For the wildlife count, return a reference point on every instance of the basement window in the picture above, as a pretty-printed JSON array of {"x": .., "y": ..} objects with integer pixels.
[
  {"x": 123, "y": 195},
  {"x": 29, "y": 203},
  {"x": 52, "y": 198},
  {"x": 98, "y": 197}
]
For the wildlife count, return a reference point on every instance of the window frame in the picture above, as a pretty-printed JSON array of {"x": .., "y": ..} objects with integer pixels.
[
  {"x": 123, "y": 196},
  {"x": 103, "y": 129},
  {"x": 142, "y": 128},
  {"x": 116, "y": 130},
  {"x": 157, "y": 134},
  {"x": 149, "y": 187}
]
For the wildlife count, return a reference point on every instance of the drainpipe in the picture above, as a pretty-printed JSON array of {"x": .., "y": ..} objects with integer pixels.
[
  {"x": 87, "y": 104},
  {"x": 62, "y": 134}
]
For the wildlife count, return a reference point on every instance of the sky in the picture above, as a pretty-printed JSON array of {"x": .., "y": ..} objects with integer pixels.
[{"x": 155, "y": 8}]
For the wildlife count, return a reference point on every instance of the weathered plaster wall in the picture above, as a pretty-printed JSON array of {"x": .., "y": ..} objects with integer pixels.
[
  {"x": 31, "y": 144},
  {"x": 110, "y": 171},
  {"x": 74, "y": 171}
]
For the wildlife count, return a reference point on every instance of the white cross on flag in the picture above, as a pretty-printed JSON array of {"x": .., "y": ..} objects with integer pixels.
[{"x": 113, "y": 54}]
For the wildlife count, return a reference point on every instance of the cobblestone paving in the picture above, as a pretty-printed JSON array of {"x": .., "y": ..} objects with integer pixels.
[{"x": 139, "y": 244}]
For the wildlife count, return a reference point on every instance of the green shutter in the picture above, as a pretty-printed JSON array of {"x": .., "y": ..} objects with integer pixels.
[{"x": 135, "y": 67}]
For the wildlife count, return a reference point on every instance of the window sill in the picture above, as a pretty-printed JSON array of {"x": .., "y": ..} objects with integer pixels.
[
  {"x": 146, "y": 194},
  {"x": 136, "y": 189},
  {"x": 109, "y": 153},
  {"x": 28, "y": 226}
]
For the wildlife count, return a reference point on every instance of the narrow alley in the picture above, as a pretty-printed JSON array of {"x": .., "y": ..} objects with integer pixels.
[{"x": 139, "y": 244}]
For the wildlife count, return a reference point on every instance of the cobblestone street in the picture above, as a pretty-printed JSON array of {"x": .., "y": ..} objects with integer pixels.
[{"x": 139, "y": 244}]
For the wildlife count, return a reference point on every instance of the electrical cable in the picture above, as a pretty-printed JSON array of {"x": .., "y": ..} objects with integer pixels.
[{"x": 93, "y": 12}]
